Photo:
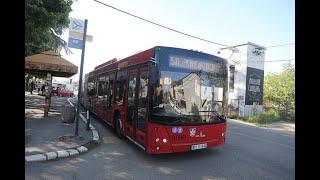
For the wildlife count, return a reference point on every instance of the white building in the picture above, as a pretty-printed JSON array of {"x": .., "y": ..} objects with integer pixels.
[{"x": 246, "y": 75}]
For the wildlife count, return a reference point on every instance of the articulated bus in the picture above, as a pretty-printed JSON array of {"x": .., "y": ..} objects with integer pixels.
[{"x": 164, "y": 99}]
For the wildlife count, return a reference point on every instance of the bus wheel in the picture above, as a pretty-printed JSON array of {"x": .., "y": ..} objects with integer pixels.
[{"x": 118, "y": 128}]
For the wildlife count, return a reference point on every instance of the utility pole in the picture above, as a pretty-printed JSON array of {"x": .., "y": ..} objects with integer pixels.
[{"x": 80, "y": 76}]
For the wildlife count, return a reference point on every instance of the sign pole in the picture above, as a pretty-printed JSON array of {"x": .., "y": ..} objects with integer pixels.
[{"x": 80, "y": 76}]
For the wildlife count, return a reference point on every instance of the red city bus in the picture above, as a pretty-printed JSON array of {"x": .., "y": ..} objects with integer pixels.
[{"x": 164, "y": 99}]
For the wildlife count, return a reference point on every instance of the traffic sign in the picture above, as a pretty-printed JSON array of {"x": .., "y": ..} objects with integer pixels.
[
  {"x": 75, "y": 43},
  {"x": 76, "y": 25},
  {"x": 77, "y": 35}
]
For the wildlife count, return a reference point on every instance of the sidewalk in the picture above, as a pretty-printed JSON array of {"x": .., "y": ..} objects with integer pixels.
[
  {"x": 50, "y": 134},
  {"x": 278, "y": 126},
  {"x": 281, "y": 126}
]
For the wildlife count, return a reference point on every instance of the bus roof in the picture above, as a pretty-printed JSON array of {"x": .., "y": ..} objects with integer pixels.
[{"x": 141, "y": 57}]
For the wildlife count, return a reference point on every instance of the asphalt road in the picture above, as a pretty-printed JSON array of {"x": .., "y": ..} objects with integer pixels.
[{"x": 249, "y": 153}]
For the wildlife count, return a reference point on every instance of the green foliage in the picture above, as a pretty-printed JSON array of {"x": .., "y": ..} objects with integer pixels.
[
  {"x": 279, "y": 89},
  {"x": 253, "y": 119},
  {"x": 270, "y": 116},
  {"x": 44, "y": 22}
]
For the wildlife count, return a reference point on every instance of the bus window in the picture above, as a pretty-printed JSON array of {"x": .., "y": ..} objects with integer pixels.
[
  {"x": 101, "y": 85},
  {"x": 91, "y": 87},
  {"x": 120, "y": 85},
  {"x": 142, "y": 105},
  {"x": 107, "y": 86},
  {"x": 131, "y": 98},
  {"x": 111, "y": 88}
]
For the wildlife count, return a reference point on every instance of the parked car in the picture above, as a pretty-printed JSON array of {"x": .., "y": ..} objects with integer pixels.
[{"x": 64, "y": 92}]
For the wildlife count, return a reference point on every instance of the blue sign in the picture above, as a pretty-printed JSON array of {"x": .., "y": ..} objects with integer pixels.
[
  {"x": 174, "y": 130},
  {"x": 75, "y": 43},
  {"x": 180, "y": 130}
]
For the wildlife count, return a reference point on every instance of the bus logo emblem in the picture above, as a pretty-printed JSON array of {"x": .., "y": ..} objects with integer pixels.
[
  {"x": 174, "y": 130},
  {"x": 180, "y": 130},
  {"x": 192, "y": 131}
]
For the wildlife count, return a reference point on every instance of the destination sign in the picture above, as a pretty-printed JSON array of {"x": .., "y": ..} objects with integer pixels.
[{"x": 192, "y": 64}]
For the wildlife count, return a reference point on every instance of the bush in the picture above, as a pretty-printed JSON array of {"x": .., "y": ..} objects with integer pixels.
[
  {"x": 270, "y": 116},
  {"x": 253, "y": 119},
  {"x": 266, "y": 117},
  {"x": 287, "y": 115},
  {"x": 238, "y": 117},
  {"x": 233, "y": 117}
]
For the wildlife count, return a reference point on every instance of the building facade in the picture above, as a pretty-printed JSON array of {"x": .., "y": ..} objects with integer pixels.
[{"x": 246, "y": 77}]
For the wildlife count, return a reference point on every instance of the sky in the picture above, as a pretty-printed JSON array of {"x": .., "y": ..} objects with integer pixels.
[{"x": 231, "y": 22}]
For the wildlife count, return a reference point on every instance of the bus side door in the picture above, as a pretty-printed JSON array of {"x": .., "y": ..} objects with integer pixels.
[
  {"x": 131, "y": 103},
  {"x": 109, "y": 97},
  {"x": 142, "y": 105}
]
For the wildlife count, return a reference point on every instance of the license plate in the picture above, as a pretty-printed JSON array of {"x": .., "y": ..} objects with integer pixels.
[{"x": 198, "y": 146}]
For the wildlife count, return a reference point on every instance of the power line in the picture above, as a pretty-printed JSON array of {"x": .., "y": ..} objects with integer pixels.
[
  {"x": 281, "y": 45},
  {"x": 279, "y": 60},
  {"x": 212, "y": 42}
]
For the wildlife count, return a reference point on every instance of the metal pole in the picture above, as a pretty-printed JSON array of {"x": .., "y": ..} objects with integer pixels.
[
  {"x": 80, "y": 76},
  {"x": 88, "y": 120}
]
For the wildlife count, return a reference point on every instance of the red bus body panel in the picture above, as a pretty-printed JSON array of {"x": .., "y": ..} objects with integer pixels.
[{"x": 212, "y": 134}]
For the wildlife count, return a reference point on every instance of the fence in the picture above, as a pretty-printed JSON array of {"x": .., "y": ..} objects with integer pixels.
[{"x": 266, "y": 115}]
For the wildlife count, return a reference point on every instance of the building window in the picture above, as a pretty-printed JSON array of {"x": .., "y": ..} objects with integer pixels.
[{"x": 231, "y": 81}]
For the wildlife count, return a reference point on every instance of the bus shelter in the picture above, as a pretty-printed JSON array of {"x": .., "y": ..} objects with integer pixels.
[{"x": 49, "y": 64}]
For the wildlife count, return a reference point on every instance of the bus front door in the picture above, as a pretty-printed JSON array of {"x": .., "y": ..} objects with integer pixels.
[
  {"x": 109, "y": 97},
  {"x": 142, "y": 105},
  {"x": 136, "y": 124}
]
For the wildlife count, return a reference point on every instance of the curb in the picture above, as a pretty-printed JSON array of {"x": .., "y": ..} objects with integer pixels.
[
  {"x": 68, "y": 152},
  {"x": 261, "y": 126},
  {"x": 243, "y": 122}
]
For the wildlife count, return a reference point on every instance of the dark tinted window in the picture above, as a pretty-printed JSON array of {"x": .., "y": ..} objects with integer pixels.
[
  {"x": 91, "y": 86},
  {"x": 231, "y": 81},
  {"x": 131, "y": 98},
  {"x": 142, "y": 104},
  {"x": 101, "y": 85},
  {"x": 120, "y": 85}
]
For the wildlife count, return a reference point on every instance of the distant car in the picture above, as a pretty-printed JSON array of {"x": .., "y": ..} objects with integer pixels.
[{"x": 65, "y": 92}]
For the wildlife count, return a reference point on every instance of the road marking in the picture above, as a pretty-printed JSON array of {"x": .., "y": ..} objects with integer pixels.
[{"x": 259, "y": 139}]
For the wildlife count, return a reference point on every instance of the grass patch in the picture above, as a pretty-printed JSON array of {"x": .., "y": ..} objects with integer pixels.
[{"x": 266, "y": 117}]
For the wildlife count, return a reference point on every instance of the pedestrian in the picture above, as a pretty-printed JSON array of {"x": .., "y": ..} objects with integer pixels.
[
  {"x": 31, "y": 87},
  {"x": 38, "y": 86},
  {"x": 47, "y": 100}
]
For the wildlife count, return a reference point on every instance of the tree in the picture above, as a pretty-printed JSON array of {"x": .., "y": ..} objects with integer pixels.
[
  {"x": 44, "y": 22},
  {"x": 279, "y": 89}
]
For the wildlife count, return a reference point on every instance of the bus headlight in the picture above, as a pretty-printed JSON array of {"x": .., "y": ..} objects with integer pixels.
[
  {"x": 164, "y": 140},
  {"x": 222, "y": 134},
  {"x": 157, "y": 140}
]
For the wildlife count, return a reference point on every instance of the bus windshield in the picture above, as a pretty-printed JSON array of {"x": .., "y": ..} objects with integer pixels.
[{"x": 194, "y": 97}]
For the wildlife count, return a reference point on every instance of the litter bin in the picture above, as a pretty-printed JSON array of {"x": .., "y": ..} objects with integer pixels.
[{"x": 68, "y": 114}]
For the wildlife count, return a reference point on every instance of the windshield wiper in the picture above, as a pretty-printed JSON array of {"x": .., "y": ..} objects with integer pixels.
[{"x": 179, "y": 120}]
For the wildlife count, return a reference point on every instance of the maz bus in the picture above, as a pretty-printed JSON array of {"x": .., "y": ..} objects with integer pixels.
[{"x": 163, "y": 99}]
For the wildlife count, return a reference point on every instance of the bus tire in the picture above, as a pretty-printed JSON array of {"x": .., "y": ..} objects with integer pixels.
[{"x": 118, "y": 127}]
